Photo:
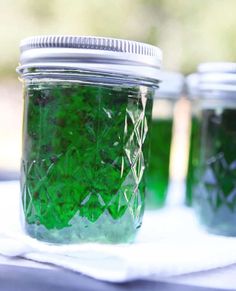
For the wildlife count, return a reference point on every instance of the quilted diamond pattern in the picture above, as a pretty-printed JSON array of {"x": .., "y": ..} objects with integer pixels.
[
  {"x": 85, "y": 151},
  {"x": 215, "y": 197}
]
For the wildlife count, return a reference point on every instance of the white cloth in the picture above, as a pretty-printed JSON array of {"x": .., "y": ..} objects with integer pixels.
[{"x": 170, "y": 243}]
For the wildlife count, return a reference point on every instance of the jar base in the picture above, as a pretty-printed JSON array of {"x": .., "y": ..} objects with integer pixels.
[
  {"x": 83, "y": 231},
  {"x": 221, "y": 221}
]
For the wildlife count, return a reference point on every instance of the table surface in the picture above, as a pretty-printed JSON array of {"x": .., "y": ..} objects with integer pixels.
[
  {"x": 18, "y": 278},
  {"x": 20, "y": 275}
]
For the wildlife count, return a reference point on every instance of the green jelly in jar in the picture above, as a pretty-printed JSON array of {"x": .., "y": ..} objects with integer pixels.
[
  {"x": 161, "y": 138},
  {"x": 87, "y": 113},
  {"x": 194, "y": 138},
  {"x": 215, "y": 197}
]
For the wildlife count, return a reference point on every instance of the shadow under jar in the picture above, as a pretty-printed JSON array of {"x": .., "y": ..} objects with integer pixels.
[
  {"x": 215, "y": 197},
  {"x": 87, "y": 113},
  {"x": 161, "y": 137}
]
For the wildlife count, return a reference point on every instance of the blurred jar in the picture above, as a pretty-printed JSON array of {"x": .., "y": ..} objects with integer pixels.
[
  {"x": 87, "y": 115},
  {"x": 192, "y": 91},
  {"x": 215, "y": 196},
  {"x": 161, "y": 136}
]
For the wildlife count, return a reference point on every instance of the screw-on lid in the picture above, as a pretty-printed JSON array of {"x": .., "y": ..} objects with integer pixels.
[
  {"x": 100, "y": 54},
  {"x": 217, "y": 77},
  {"x": 192, "y": 85},
  {"x": 219, "y": 67},
  {"x": 171, "y": 85}
]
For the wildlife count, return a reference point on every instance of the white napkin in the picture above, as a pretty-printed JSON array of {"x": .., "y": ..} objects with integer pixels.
[{"x": 170, "y": 243}]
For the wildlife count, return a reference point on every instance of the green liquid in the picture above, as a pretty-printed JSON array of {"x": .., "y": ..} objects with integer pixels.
[
  {"x": 158, "y": 170},
  {"x": 193, "y": 162},
  {"x": 84, "y": 156},
  {"x": 215, "y": 200}
]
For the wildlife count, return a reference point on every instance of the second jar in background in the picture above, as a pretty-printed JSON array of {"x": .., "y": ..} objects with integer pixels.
[
  {"x": 215, "y": 197},
  {"x": 161, "y": 136}
]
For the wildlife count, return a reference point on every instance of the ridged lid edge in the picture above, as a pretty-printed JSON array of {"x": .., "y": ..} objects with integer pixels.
[{"x": 91, "y": 42}]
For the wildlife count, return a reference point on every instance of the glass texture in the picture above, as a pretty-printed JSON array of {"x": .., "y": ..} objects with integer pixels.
[
  {"x": 85, "y": 148},
  {"x": 215, "y": 196}
]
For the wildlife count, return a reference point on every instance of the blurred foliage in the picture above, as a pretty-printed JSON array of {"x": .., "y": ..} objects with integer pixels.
[{"x": 188, "y": 31}]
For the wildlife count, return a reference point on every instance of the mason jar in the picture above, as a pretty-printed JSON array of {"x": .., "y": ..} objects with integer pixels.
[
  {"x": 161, "y": 136},
  {"x": 87, "y": 113},
  {"x": 192, "y": 92},
  {"x": 215, "y": 198}
]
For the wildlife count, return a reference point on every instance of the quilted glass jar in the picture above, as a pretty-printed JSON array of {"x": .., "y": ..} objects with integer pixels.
[
  {"x": 161, "y": 136},
  {"x": 215, "y": 198},
  {"x": 87, "y": 114}
]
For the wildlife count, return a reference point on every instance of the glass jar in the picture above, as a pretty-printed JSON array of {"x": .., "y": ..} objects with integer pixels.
[
  {"x": 215, "y": 198},
  {"x": 161, "y": 135},
  {"x": 194, "y": 138},
  {"x": 87, "y": 113}
]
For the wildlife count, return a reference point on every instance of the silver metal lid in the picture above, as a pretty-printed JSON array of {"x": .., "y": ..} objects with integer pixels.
[
  {"x": 218, "y": 67},
  {"x": 171, "y": 85},
  {"x": 192, "y": 85},
  {"x": 217, "y": 77},
  {"x": 91, "y": 53}
]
